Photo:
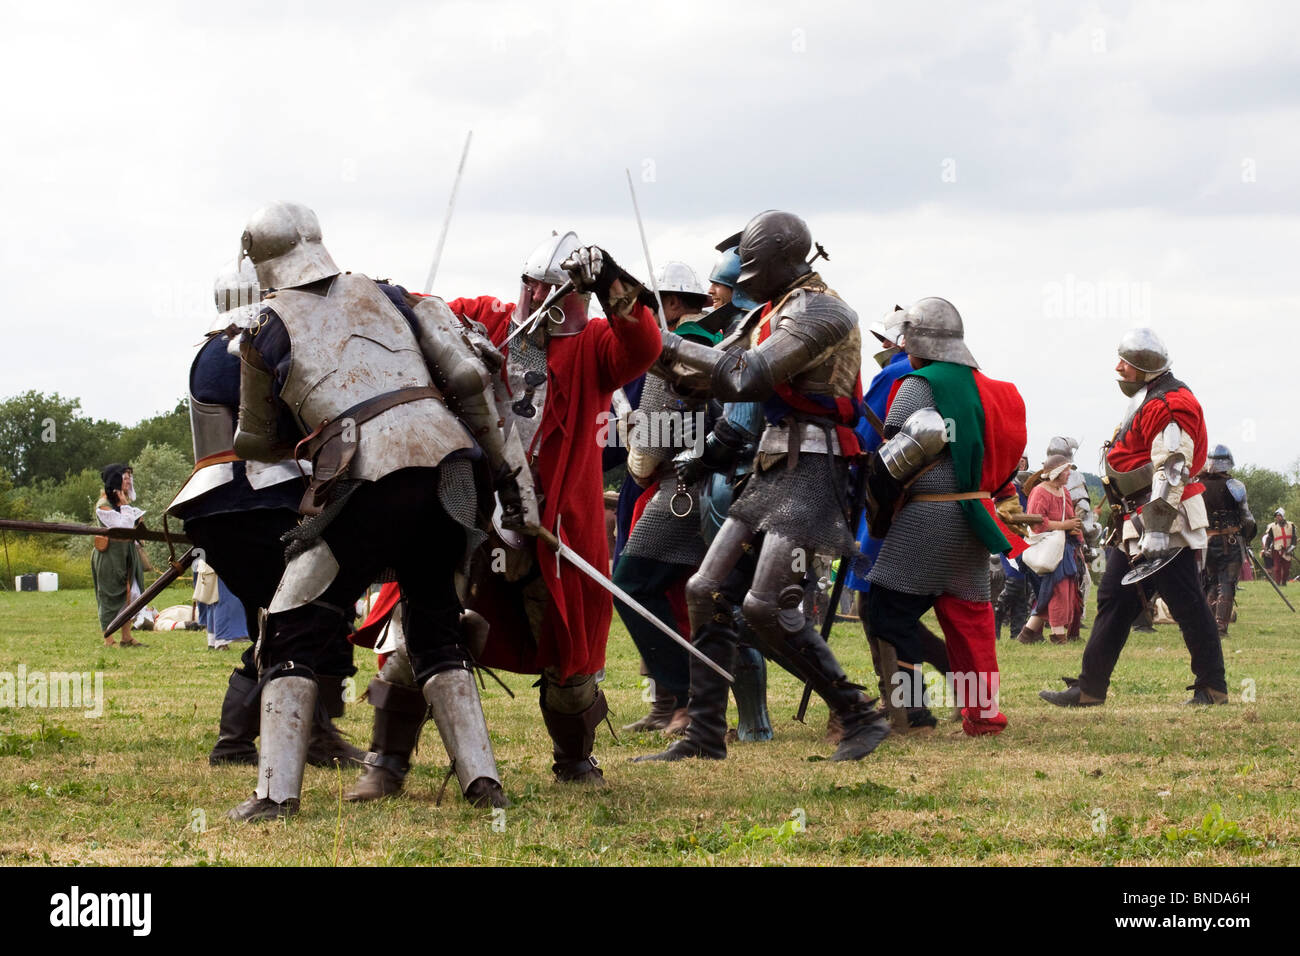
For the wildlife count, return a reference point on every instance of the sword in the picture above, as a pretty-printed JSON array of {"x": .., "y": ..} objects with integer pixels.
[
  {"x": 116, "y": 534},
  {"x": 654, "y": 285},
  {"x": 1255, "y": 563},
  {"x": 175, "y": 570},
  {"x": 446, "y": 222},
  {"x": 578, "y": 561}
]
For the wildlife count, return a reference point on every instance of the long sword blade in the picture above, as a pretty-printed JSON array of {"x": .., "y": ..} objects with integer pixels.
[
  {"x": 446, "y": 221},
  {"x": 581, "y": 563},
  {"x": 654, "y": 284},
  {"x": 1255, "y": 562}
]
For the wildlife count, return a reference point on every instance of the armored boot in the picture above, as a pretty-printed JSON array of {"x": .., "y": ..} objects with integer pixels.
[
  {"x": 458, "y": 714},
  {"x": 707, "y": 734},
  {"x": 573, "y": 737},
  {"x": 399, "y": 715},
  {"x": 238, "y": 728},
  {"x": 864, "y": 726},
  {"x": 327, "y": 743},
  {"x": 287, "y": 706},
  {"x": 661, "y": 713},
  {"x": 751, "y": 696}
]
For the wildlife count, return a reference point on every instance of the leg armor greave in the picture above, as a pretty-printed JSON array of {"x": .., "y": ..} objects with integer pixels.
[
  {"x": 750, "y": 689},
  {"x": 458, "y": 714}
]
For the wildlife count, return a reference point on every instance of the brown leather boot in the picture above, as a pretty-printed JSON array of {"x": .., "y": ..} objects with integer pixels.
[
  {"x": 661, "y": 713},
  {"x": 681, "y": 720},
  {"x": 574, "y": 737},
  {"x": 399, "y": 715}
]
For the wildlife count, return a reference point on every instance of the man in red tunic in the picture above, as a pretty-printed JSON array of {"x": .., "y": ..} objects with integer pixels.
[
  {"x": 553, "y": 393},
  {"x": 1161, "y": 522}
]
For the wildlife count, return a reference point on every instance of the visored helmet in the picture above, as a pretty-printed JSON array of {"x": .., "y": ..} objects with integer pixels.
[
  {"x": 237, "y": 293},
  {"x": 773, "y": 249}
]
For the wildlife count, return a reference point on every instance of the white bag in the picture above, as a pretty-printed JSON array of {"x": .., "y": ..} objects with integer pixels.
[{"x": 1045, "y": 551}]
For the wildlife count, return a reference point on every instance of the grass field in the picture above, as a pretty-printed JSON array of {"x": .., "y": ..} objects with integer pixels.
[{"x": 1135, "y": 782}]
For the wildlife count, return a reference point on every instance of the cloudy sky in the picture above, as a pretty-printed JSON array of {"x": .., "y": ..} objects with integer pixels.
[{"x": 1060, "y": 171}]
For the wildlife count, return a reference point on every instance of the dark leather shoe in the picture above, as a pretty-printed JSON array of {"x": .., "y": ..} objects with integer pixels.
[
  {"x": 1205, "y": 696},
  {"x": 681, "y": 749},
  {"x": 256, "y": 809},
  {"x": 862, "y": 734},
  {"x": 1070, "y": 697}
]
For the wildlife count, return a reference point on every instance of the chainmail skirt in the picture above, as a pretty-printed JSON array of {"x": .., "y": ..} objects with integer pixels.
[{"x": 803, "y": 503}]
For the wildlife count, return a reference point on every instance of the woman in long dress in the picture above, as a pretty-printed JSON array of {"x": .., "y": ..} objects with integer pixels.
[{"x": 116, "y": 566}]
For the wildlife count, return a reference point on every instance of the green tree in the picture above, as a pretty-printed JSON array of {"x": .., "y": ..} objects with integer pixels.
[
  {"x": 46, "y": 436},
  {"x": 169, "y": 428},
  {"x": 1265, "y": 490},
  {"x": 160, "y": 471}
]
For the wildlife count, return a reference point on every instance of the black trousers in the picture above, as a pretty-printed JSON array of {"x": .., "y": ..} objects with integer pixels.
[
  {"x": 395, "y": 522},
  {"x": 244, "y": 549},
  {"x": 1118, "y": 607}
]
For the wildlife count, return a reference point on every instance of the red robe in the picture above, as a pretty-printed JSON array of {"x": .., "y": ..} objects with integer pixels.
[{"x": 585, "y": 370}]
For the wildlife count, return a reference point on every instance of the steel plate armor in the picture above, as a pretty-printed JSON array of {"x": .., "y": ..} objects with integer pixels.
[{"x": 355, "y": 327}]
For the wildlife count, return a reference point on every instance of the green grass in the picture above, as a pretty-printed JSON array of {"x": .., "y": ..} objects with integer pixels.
[{"x": 1140, "y": 781}]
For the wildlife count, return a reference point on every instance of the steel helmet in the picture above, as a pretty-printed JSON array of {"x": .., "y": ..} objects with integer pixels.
[{"x": 284, "y": 241}]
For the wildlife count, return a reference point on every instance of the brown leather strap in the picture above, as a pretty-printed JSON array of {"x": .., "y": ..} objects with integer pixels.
[
  {"x": 952, "y": 496},
  {"x": 1222, "y": 531},
  {"x": 362, "y": 412}
]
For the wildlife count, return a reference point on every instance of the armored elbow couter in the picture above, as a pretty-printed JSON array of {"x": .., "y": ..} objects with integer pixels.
[
  {"x": 257, "y": 433},
  {"x": 920, "y": 441}
]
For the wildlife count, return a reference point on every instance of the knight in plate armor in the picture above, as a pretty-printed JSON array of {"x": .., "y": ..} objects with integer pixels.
[
  {"x": 1160, "y": 521},
  {"x": 236, "y": 511},
  {"x": 799, "y": 355},
  {"x": 1232, "y": 528},
  {"x": 334, "y": 370}
]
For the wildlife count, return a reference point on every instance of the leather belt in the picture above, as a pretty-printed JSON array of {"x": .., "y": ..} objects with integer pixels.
[{"x": 951, "y": 496}]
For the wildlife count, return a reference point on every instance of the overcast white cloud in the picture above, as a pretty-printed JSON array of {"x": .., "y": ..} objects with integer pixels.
[{"x": 1060, "y": 171}]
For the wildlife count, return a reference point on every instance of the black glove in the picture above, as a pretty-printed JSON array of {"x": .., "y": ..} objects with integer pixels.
[{"x": 722, "y": 449}]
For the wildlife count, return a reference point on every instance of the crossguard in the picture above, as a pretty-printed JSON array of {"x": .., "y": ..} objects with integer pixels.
[{"x": 525, "y": 408}]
